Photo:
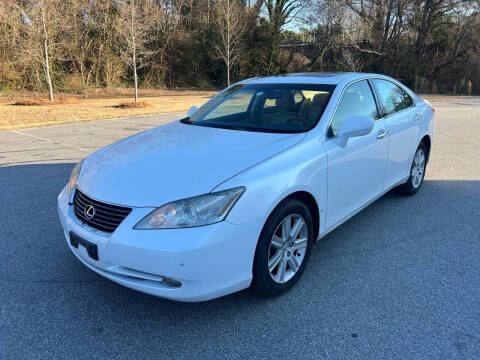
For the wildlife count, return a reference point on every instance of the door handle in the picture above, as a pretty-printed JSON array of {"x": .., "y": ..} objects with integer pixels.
[
  {"x": 418, "y": 116},
  {"x": 381, "y": 134}
]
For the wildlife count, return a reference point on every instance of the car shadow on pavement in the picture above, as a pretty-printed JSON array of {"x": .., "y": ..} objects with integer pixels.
[{"x": 374, "y": 247}]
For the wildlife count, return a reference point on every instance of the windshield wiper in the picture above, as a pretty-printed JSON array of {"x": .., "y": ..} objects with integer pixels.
[
  {"x": 239, "y": 128},
  {"x": 214, "y": 125}
]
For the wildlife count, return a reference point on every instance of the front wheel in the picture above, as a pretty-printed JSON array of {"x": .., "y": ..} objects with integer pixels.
[
  {"x": 417, "y": 171},
  {"x": 283, "y": 248}
]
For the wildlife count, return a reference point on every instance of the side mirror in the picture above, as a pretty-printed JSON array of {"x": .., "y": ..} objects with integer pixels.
[
  {"x": 192, "y": 111},
  {"x": 354, "y": 125}
]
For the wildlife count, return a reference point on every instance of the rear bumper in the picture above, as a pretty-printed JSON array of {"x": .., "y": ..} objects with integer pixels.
[{"x": 209, "y": 261}]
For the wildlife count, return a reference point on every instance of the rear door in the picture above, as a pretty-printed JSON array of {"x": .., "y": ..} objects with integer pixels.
[
  {"x": 402, "y": 120},
  {"x": 356, "y": 172}
]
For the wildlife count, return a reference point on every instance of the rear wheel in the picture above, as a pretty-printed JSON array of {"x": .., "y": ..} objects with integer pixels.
[
  {"x": 417, "y": 171},
  {"x": 283, "y": 248}
]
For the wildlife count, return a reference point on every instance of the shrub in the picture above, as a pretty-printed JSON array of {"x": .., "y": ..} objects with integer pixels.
[
  {"x": 41, "y": 102},
  {"x": 73, "y": 84},
  {"x": 133, "y": 105},
  {"x": 8, "y": 76}
]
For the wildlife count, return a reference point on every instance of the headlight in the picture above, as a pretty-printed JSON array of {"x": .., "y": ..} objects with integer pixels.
[
  {"x": 196, "y": 211},
  {"x": 74, "y": 176}
]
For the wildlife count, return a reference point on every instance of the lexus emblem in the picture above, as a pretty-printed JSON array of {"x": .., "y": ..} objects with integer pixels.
[{"x": 89, "y": 212}]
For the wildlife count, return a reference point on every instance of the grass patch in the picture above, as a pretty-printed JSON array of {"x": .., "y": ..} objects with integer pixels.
[
  {"x": 133, "y": 105},
  {"x": 95, "y": 104},
  {"x": 42, "y": 102}
]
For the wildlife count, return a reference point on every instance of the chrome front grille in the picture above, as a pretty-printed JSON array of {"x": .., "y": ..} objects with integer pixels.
[{"x": 104, "y": 217}]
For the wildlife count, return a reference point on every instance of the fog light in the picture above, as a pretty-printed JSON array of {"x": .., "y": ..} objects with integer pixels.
[{"x": 171, "y": 282}]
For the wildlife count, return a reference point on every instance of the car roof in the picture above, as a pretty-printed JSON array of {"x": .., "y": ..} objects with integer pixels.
[{"x": 333, "y": 78}]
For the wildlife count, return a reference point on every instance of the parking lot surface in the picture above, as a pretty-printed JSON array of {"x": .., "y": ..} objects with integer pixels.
[{"x": 399, "y": 280}]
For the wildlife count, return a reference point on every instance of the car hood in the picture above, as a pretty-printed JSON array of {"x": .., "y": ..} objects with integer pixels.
[{"x": 175, "y": 161}]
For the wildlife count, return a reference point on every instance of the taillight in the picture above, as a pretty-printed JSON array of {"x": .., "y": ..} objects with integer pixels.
[{"x": 428, "y": 102}]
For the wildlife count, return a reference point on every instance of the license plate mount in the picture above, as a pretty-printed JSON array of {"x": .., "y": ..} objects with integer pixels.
[{"x": 91, "y": 248}]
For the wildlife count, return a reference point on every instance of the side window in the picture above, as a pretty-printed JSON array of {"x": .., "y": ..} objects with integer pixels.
[
  {"x": 357, "y": 99},
  {"x": 407, "y": 100},
  {"x": 391, "y": 96}
]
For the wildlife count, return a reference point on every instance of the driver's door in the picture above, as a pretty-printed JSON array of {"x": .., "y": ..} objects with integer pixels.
[{"x": 355, "y": 173}]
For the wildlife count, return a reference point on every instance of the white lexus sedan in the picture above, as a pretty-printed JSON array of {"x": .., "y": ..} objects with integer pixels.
[{"x": 236, "y": 194}]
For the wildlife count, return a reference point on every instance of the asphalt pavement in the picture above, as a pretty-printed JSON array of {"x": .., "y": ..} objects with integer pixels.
[{"x": 400, "y": 280}]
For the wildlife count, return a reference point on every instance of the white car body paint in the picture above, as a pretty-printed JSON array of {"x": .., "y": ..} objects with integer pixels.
[
  {"x": 177, "y": 161},
  {"x": 190, "y": 159}
]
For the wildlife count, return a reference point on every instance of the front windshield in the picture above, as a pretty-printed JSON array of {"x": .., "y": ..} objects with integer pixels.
[{"x": 288, "y": 108}]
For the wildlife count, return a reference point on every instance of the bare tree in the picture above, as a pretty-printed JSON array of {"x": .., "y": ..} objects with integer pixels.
[
  {"x": 134, "y": 24},
  {"x": 350, "y": 60},
  {"x": 428, "y": 44},
  {"x": 80, "y": 43},
  {"x": 425, "y": 21},
  {"x": 43, "y": 22},
  {"x": 231, "y": 26},
  {"x": 167, "y": 32},
  {"x": 280, "y": 12},
  {"x": 107, "y": 66},
  {"x": 324, "y": 19},
  {"x": 9, "y": 37}
]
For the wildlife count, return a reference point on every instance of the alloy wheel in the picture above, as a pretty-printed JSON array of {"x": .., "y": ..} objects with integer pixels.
[
  {"x": 287, "y": 248},
  {"x": 418, "y": 168}
]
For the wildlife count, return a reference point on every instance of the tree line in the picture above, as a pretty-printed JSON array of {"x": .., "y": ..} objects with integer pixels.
[{"x": 59, "y": 45}]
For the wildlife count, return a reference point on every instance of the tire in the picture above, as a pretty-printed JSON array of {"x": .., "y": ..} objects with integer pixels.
[
  {"x": 287, "y": 255},
  {"x": 417, "y": 172}
]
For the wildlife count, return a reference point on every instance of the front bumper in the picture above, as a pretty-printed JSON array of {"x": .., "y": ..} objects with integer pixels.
[{"x": 210, "y": 261}]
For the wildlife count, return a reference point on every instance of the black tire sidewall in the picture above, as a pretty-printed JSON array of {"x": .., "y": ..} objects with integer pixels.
[
  {"x": 409, "y": 185},
  {"x": 262, "y": 281}
]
